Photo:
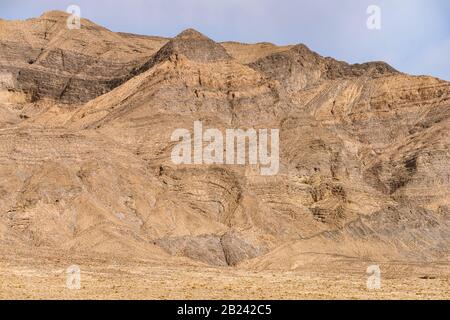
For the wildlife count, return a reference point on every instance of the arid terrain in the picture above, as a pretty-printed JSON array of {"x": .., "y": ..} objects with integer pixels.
[{"x": 87, "y": 179}]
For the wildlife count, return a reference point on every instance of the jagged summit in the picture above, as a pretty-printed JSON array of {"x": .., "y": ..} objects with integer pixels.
[
  {"x": 79, "y": 65},
  {"x": 191, "y": 34},
  {"x": 301, "y": 53},
  {"x": 301, "y": 47},
  {"x": 194, "y": 46},
  {"x": 300, "y": 67},
  {"x": 60, "y": 17},
  {"x": 54, "y": 14},
  {"x": 191, "y": 44}
]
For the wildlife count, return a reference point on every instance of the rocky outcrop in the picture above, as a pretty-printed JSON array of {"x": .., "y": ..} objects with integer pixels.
[
  {"x": 47, "y": 60},
  {"x": 226, "y": 250},
  {"x": 298, "y": 67},
  {"x": 192, "y": 45}
]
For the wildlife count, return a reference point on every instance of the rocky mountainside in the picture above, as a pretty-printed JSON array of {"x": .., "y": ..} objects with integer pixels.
[
  {"x": 47, "y": 61},
  {"x": 85, "y": 151}
]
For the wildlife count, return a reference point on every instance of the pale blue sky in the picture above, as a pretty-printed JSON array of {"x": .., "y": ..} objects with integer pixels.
[{"x": 414, "y": 36}]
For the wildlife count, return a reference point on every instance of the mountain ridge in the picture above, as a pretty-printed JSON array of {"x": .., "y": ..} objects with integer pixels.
[{"x": 85, "y": 150}]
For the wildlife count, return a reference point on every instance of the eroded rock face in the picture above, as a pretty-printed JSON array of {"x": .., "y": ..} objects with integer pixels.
[
  {"x": 195, "y": 46},
  {"x": 364, "y": 150},
  {"x": 48, "y": 60},
  {"x": 225, "y": 250},
  {"x": 298, "y": 67}
]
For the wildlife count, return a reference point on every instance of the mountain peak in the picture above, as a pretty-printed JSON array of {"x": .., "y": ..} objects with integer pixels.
[
  {"x": 191, "y": 34},
  {"x": 54, "y": 14},
  {"x": 193, "y": 45}
]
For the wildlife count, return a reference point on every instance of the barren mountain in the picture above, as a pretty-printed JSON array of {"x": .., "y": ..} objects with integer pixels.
[{"x": 86, "y": 118}]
